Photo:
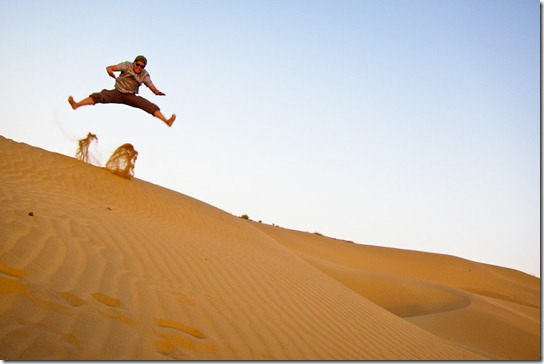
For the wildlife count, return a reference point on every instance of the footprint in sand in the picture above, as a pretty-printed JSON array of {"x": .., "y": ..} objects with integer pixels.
[
  {"x": 65, "y": 337},
  {"x": 108, "y": 301},
  {"x": 169, "y": 324},
  {"x": 11, "y": 285},
  {"x": 172, "y": 343},
  {"x": 72, "y": 299},
  {"x": 16, "y": 273},
  {"x": 113, "y": 313}
]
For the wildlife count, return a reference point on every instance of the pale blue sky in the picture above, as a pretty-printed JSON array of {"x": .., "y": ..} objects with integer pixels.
[{"x": 409, "y": 124}]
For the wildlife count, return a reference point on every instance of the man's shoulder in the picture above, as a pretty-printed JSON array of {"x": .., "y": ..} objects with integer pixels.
[
  {"x": 124, "y": 65},
  {"x": 145, "y": 77}
]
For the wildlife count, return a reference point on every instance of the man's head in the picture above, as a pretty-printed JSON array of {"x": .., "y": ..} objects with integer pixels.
[{"x": 139, "y": 64}]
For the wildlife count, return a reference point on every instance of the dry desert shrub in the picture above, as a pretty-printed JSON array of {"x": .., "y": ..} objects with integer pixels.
[
  {"x": 82, "y": 152},
  {"x": 122, "y": 161}
]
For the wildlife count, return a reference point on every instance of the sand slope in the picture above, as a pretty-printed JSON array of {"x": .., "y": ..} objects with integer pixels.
[
  {"x": 489, "y": 310},
  {"x": 93, "y": 266}
]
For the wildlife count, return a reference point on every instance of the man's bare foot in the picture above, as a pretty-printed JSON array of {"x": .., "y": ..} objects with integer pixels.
[
  {"x": 72, "y": 102},
  {"x": 170, "y": 121}
]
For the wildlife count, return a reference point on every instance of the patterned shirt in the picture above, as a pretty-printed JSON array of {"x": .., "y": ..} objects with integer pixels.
[{"x": 129, "y": 81}]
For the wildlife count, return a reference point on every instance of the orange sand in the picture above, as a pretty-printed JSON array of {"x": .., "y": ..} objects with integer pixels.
[{"x": 94, "y": 266}]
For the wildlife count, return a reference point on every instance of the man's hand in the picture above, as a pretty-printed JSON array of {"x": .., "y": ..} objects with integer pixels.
[{"x": 155, "y": 91}]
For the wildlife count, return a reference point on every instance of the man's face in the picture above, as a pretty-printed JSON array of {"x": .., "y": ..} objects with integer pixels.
[{"x": 138, "y": 66}]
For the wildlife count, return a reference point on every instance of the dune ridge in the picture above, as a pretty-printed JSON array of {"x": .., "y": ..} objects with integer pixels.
[{"x": 94, "y": 266}]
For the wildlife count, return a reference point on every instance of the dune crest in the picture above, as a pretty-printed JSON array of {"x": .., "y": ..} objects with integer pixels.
[{"x": 94, "y": 268}]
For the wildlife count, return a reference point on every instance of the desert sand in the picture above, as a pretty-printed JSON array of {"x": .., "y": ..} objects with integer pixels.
[{"x": 94, "y": 266}]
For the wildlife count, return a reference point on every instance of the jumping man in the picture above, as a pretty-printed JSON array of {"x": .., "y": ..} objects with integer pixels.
[{"x": 127, "y": 84}]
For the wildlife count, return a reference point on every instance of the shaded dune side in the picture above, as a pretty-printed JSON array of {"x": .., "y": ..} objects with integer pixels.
[
  {"x": 403, "y": 296},
  {"x": 492, "y": 311},
  {"x": 107, "y": 268},
  {"x": 495, "y": 329}
]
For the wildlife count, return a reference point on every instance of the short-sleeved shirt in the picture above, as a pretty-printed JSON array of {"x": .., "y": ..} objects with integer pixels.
[{"x": 129, "y": 81}]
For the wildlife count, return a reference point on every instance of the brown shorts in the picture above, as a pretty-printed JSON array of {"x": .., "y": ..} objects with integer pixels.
[{"x": 117, "y": 97}]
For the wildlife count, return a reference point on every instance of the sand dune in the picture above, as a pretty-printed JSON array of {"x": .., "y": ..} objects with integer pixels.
[
  {"x": 492, "y": 311},
  {"x": 94, "y": 266}
]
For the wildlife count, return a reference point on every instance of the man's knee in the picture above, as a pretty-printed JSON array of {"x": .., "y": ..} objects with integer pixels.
[
  {"x": 105, "y": 97},
  {"x": 144, "y": 104}
]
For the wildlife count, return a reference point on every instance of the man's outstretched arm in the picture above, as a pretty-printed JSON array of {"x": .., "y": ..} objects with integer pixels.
[{"x": 155, "y": 91}]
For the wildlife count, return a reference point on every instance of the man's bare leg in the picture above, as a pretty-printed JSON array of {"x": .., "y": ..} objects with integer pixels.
[
  {"x": 85, "y": 101},
  {"x": 169, "y": 122}
]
